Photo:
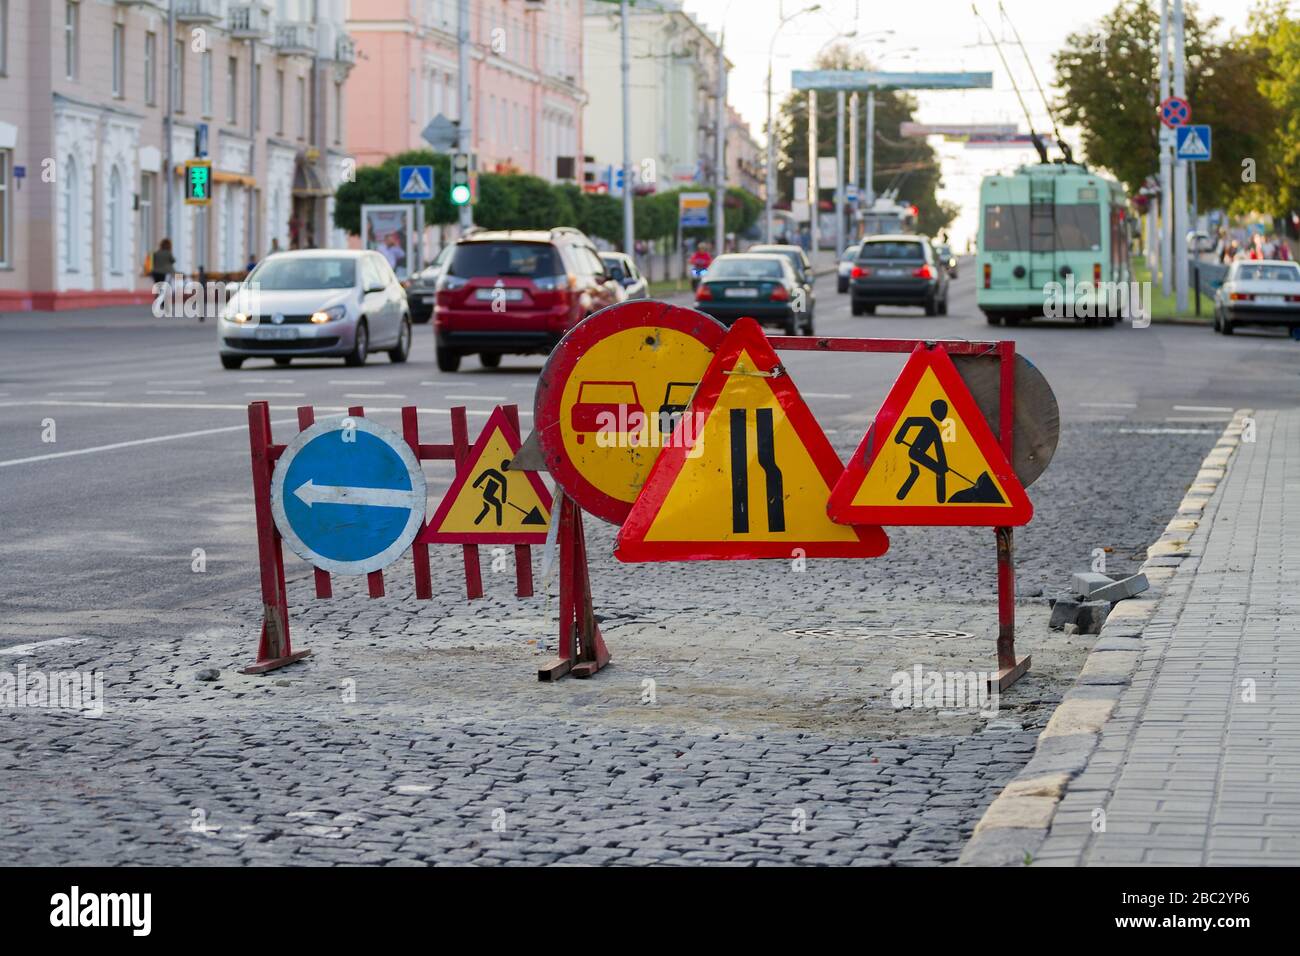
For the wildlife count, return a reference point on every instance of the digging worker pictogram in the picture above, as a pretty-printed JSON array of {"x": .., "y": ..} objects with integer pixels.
[
  {"x": 494, "y": 491},
  {"x": 928, "y": 437}
]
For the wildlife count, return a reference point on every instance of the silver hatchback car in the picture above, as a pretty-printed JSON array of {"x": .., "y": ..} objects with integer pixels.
[{"x": 317, "y": 303}]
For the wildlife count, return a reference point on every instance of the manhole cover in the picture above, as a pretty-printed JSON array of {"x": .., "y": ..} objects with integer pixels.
[{"x": 886, "y": 633}]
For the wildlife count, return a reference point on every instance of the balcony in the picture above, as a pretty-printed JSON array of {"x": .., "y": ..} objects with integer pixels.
[
  {"x": 198, "y": 11},
  {"x": 249, "y": 21},
  {"x": 345, "y": 50},
  {"x": 295, "y": 39}
]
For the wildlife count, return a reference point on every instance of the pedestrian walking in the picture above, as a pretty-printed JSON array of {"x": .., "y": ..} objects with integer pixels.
[{"x": 163, "y": 263}]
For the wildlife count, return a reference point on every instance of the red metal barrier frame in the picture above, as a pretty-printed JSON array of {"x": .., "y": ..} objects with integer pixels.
[
  {"x": 275, "y": 649},
  {"x": 1010, "y": 668}
]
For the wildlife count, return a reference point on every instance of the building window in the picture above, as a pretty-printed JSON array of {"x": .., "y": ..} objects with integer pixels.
[
  {"x": 71, "y": 38},
  {"x": 119, "y": 58},
  {"x": 146, "y": 211},
  {"x": 71, "y": 216},
  {"x": 6, "y": 163},
  {"x": 232, "y": 90},
  {"x": 178, "y": 77},
  {"x": 279, "y": 102},
  {"x": 205, "y": 84},
  {"x": 115, "y": 242},
  {"x": 150, "y": 69},
  {"x": 302, "y": 108},
  {"x": 338, "y": 113}
]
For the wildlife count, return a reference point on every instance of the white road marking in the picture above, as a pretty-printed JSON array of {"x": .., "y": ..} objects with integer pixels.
[
  {"x": 76, "y": 394},
  {"x": 169, "y": 391},
  {"x": 1108, "y": 404},
  {"x": 170, "y": 384},
  {"x": 371, "y": 395},
  {"x": 1203, "y": 419},
  {"x": 358, "y": 381},
  {"x": 22, "y": 650},
  {"x": 86, "y": 384},
  {"x": 276, "y": 394},
  {"x": 475, "y": 398},
  {"x": 213, "y": 406},
  {"x": 824, "y": 395},
  {"x": 127, "y": 444},
  {"x": 1201, "y": 408},
  {"x": 1166, "y": 431},
  {"x": 1109, "y": 418}
]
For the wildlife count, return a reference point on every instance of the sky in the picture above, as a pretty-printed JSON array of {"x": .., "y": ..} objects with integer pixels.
[{"x": 927, "y": 35}]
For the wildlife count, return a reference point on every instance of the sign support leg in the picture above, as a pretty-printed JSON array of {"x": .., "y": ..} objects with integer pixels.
[
  {"x": 581, "y": 650},
  {"x": 1010, "y": 669},
  {"x": 274, "y": 648}
]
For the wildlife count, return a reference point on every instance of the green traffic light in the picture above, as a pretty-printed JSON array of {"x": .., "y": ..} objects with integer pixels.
[{"x": 460, "y": 194}]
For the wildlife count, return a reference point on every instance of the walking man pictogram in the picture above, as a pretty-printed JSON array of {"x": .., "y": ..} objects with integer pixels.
[
  {"x": 494, "y": 491},
  {"x": 928, "y": 438}
]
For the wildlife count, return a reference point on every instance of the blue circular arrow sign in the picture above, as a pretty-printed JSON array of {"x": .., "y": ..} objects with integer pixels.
[{"x": 348, "y": 495}]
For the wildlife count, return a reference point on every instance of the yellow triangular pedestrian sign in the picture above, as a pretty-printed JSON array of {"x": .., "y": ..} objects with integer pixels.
[
  {"x": 929, "y": 458},
  {"x": 488, "y": 503},
  {"x": 746, "y": 474}
]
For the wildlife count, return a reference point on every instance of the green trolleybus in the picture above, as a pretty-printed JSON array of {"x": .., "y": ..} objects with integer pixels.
[{"x": 1053, "y": 243}]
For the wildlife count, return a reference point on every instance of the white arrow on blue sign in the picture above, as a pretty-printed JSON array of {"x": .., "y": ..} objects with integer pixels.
[
  {"x": 348, "y": 495},
  {"x": 1193, "y": 143},
  {"x": 415, "y": 182}
]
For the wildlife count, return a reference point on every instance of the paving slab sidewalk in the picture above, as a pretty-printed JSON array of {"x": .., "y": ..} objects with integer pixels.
[{"x": 1194, "y": 759}]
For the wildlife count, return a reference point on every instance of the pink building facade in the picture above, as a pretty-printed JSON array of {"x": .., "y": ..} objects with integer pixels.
[{"x": 526, "y": 93}]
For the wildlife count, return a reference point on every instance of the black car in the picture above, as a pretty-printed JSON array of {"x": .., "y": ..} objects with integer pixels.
[
  {"x": 422, "y": 288},
  {"x": 898, "y": 270},
  {"x": 763, "y": 287},
  {"x": 799, "y": 261}
]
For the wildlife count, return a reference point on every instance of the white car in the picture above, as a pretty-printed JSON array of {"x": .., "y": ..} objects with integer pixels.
[
  {"x": 1258, "y": 292},
  {"x": 844, "y": 268},
  {"x": 317, "y": 303}
]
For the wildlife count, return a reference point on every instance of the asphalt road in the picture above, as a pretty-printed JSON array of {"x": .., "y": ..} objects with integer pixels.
[{"x": 150, "y": 459}]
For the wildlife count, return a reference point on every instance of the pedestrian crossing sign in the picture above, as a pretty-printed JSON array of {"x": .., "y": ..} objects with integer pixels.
[
  {"x": 929, "y": 458},
  {"x": 488, "y": 503},
  {"x": 747, "y": 473},
  {"x": 1192, "y": 142}
]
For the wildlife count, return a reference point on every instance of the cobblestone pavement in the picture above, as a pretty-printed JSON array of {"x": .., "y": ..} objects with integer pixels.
[
  {"x": 1199, "y": 764},
  {"x": 418, "y": 733}
]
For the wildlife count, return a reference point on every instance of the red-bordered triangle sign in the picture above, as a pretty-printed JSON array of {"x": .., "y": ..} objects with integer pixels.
[
  {"x": 747, "y": 472},
  {"x": 929, "y": 458},
  {"x": 488, "y": 503}
]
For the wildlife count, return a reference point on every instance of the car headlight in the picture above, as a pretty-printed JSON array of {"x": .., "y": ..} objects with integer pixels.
[
  {"x": 239, "y": 317},
  {"x": 333, "y": 313}
]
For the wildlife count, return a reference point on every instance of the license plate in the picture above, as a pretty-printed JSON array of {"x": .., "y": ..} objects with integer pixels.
[
  {"x": 1269, "y": 299},
  {"x": 430, "y": 299},
  {"x": 493, "y": 295},
  {"x": 889, "y": 272},
  {"x": 276, "y": 333},
  {"x": 740, "y": 293}
]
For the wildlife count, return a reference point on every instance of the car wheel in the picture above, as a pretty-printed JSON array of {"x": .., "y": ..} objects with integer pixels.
[
  {"x": 232, "y": 361},
  {"x": 1217, "y": 328},
  {"x": 931, "y": 307},
  {"x": 490, "y": 359},
  {"x": 856, "y": 308},
  {"x": 791, "y": 326},
  {"x": 808, "y": 324},
  {"x": 282, "y": 360},
  {"x": 1228, "y": 327},
  {"x": 992, "y": 318},
  {"x": 943, "y": 305},
  {"x": 402, "y": 351},
  {"x": 1011, "y": 320},
  {"x": 842, "y": 286},
  {"x": 360, "y": 347},
  {"x": 448, "y": 361},
  {"x": 419, "y": 318}
]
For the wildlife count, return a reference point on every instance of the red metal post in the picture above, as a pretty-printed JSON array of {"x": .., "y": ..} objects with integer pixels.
[
  {"x": 324, "y": 587},
  {"x": 274, "y": 649},
  {"x": 460, "y": 442},
  {"x": 1009, "y": 668},
  {"x": 419, "y": 552},
  {"x": 375, "y": 579},
  {"x": 581, "y": 649},
  {"x": 523, "y": 553}
]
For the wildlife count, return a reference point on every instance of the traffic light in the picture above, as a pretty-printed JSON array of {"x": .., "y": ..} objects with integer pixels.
[
  {"x": 461, "y": 193},
  {"x": 198, "y": 182}
]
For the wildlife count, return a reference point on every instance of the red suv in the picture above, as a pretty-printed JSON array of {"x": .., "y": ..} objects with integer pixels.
[{"x": 517, "y": 292}]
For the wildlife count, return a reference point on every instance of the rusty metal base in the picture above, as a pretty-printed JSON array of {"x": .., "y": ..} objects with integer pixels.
[
  {"x": 261, "y": 667},
  {"x": 1006, "y": 676}
]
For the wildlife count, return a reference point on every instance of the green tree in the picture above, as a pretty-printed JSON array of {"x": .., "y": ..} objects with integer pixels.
[
  {"x": 909, "y": 165},
  {"x": 1276, "y": 164},
  {"x": 1109, "y": 79},
  {"x": 378, "y": 184}
]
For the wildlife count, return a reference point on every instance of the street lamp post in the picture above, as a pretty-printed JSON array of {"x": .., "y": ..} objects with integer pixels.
[{"x": 771, "y": 140}]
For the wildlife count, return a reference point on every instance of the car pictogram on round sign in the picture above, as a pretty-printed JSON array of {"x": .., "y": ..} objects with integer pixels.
[
  {"x": 611, "y": 394},
  {"x": 1175, "y": 111}
]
